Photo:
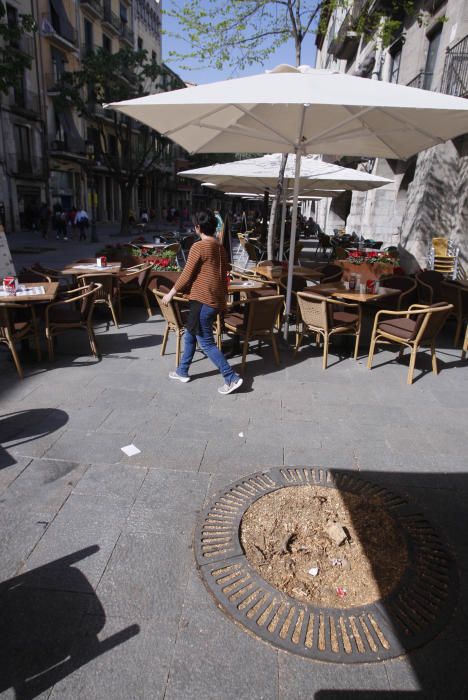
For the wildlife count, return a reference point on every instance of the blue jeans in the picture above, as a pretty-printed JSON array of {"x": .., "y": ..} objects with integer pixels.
[{"x": 207, "y": 344}]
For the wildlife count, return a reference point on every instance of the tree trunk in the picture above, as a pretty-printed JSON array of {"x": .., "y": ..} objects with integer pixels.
[{"x": 125, "y": 195}]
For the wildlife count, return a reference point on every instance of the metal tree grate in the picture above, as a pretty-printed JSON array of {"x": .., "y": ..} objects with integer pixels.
[{"x": 416, "y": 610}]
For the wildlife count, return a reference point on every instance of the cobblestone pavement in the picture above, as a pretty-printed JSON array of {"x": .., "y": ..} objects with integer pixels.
[{"x": 100, "y": 593}]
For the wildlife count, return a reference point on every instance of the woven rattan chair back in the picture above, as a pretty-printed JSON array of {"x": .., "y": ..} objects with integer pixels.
[
  {"x": 263, "y": 313},
  {"x": 432, "y": 322},
  {"x": 313, "y": 310},
  {"x": 170, "y": 312}
]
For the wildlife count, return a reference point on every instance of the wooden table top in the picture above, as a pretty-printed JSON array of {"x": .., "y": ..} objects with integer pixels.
[
  {"x": 50, "y": 292},
  {"x": 77, "y": 268},
  {"x": 274, "y": 272},
  {"x": 337, "y": 289},
  {"x": 244, "y": 286}
]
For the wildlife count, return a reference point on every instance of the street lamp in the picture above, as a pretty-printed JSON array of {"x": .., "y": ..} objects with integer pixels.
[{"x": 92, "y": 179}]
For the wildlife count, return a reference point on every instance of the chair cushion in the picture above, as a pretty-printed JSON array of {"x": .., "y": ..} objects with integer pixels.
[
  {"x": 21, "y": 326},
  {"x": 344, "y": 317},
  {"x": 64, "y": 315},
  {"x": 401, "y": 327},
  {"x": 236, "y": 320}
]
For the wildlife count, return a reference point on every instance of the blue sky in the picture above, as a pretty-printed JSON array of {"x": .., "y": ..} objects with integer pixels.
[{"x": 285, "y": 54}]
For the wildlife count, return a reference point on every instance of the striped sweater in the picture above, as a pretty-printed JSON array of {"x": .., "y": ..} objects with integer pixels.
[{"x": 205, "y": 274}]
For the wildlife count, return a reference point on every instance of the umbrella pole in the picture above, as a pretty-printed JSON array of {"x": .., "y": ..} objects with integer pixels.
[
  {"x": 292, "y": 244},
  {"x": 283, "y": 219}
]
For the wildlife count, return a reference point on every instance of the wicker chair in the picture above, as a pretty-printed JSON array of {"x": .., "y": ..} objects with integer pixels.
[
  {"x": 402, "y": 299},
  {"x": 456, "y": 294},
  {"x": 107, "y": 294},
  {"x": 257, "y": 322},
  {"x": 12, "y": 331},
  {"x": 331, "y": 273},
  {"x": 465, "y": 345},
  {"x": 326, "y": 317},
  {"x": 417, "y": 327},
  {"x": 62, "y": 315},
  {"x": 133, "y": 282},
  {"x": 174, "y": 315},
  {"x": 429, "y": 286}
]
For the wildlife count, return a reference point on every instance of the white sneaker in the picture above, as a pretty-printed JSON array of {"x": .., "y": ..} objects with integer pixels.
[
  {"x": 65, "y": 238},
  {"x": 174, "y": 375},
  {"x": 229, "y": 388}
]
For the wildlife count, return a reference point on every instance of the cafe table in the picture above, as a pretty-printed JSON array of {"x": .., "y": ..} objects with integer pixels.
[
  {"x": 275, "y": 272},
  {"x": 77, "y": 268},
  {"x": 31, "y": 292},
  {"x": 339, "y": 291}
]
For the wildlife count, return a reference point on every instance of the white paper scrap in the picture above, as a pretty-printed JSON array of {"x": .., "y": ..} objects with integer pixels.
[
  {"x": 313, "y": 571},
  {"x": 241, "y": 434},
  {"x": 130, "y": 450}
]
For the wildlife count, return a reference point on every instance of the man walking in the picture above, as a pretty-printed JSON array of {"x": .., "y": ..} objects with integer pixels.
[{"x": 205, "y": 276}]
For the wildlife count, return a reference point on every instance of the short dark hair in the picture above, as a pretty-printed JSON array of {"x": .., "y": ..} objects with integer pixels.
[{"x": 207, "y": 222}]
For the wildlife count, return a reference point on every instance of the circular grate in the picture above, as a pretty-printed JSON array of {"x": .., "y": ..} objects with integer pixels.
[{"x": 412, "y": 614}]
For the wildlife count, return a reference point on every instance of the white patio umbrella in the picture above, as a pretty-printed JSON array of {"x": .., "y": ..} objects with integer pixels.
[
  {"x": 302, "y": 110},
  {"x": 262, "y": 174},
  {"x": 259, "y": 174}
]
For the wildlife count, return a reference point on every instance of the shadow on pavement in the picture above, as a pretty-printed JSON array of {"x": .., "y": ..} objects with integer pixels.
[
  {"x": 47, "y": 634},
  {"x": 21, "y": 427}
]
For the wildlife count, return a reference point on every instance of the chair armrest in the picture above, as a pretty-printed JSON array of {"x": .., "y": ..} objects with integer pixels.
[{"x": 348, "y": 304}]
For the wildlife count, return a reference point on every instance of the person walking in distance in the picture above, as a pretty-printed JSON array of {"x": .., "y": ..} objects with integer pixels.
[
  {"x": 205, "y": 278},
  {"x": 82, "y": 222}
]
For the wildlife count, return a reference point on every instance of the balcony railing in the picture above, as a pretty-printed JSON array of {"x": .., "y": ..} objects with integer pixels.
[
  {"x": 52, "y": 81},
  {"x": 94, "y": 7},
  {"x": 62, "y": 32},
  {"x": 455, "y": 77},
  {"x": 26, "y": 100},
  {"x": 24, "y": 45},
  {"x": 111, "y": 20},
  {"x": 127, "y": 34},
  {"x": 71, "y": 145},
  {"x": 24, "y": 165},
  {"x": 345, "y": 43},
  {"x": 422, "y": 80}
]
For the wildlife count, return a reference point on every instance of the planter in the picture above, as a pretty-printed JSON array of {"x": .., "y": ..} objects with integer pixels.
[{"x": 368, "y": 271}]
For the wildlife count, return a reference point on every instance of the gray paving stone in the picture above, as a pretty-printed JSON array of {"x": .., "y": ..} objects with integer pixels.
[
  {"x": 89, "y": 446},
  {"x": 137, "y": 419},
  {"x": 181, "y": 452},
  {"x": 215, "y": 659},
  {"x": 121, "y": 480},
  {"x": 168, "y": 501},
  {"x": 83, "y": 522},
  {"x": 241, "y": 454},
  {"x": 146, "y": 577},
  {"x": 301, "y": 678},
  {"x": 10, "y": 468},
  {"x": 120, "y": 660}
]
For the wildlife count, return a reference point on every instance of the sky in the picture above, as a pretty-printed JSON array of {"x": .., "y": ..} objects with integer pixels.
[{"x": 285, "y": 54}]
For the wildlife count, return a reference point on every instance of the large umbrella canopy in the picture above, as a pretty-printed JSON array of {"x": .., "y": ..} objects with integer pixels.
[
  {"x": 302, "y": 110},
  {"x": 317, "y": 110},
  {"x": 258, "y": 174}
]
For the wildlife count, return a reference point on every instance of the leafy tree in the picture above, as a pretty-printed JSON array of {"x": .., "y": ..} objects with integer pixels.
[
  {"x": 127, "y": 148},
  {"x": 12, "y": 61},
  {"x": 240, "y": 33}
]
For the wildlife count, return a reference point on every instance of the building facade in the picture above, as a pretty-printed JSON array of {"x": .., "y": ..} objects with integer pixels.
[
  {"x": 50, "y": 154},
  {"x": 428, "y": 50}
]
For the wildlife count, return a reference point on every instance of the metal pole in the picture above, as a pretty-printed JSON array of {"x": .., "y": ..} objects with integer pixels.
[
  {"x": 283, "y": 218},
  {"x": 292, "y": 244},
  {"x": 94, "y": 236}
]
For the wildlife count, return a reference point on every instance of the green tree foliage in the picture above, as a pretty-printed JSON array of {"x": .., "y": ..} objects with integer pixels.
[
  {"x": 240, "y": 33},
  {"x": 13, "y": 61},
  {"x": 127, "y": 148}
]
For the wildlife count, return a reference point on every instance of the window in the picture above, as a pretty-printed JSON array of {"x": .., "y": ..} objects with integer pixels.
[
  {"x": 106, "y": 43},
  {"x": 153, "y": 56},
  {"x": 431, "y": 60},
  {"x": 123, "y": 13},
  {"x": 395, "y": 66},
  {"x": 59, "y": 60},
  {"x": 88, "y": 35},
  {"x": 12, "y": 16},
  {"x": 140, "y": 43},
  {"x": 23, "y": 146}
]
